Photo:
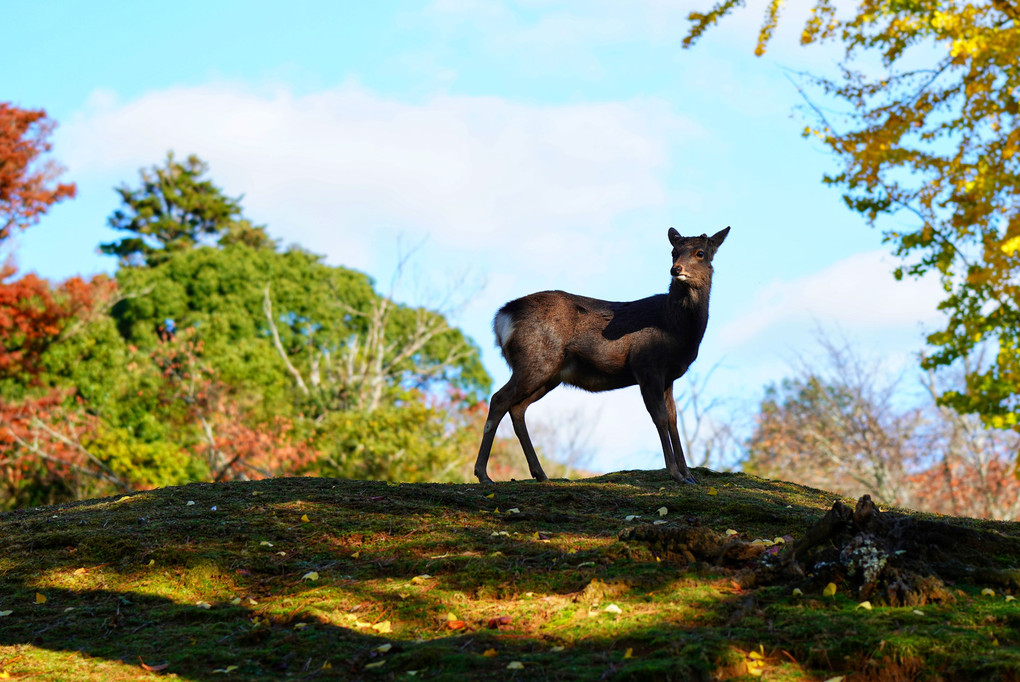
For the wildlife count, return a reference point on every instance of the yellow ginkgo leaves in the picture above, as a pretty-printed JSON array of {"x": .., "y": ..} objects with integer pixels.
[{"x": 829, "y": 590}]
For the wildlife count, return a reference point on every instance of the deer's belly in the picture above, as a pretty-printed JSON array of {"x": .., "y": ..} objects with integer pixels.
[{"x": 584, "y": 375}]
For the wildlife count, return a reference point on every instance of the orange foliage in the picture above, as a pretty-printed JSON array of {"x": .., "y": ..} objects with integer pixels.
[
  {"x": 26, "y": 182},
  {"x": 34, "y": 315}
]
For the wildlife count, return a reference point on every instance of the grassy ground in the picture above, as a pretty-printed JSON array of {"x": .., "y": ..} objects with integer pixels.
[{"x": 303, "y": 578}]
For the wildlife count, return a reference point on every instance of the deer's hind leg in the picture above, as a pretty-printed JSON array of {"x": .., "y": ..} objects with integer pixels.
[{"x": 521, "y": 428}]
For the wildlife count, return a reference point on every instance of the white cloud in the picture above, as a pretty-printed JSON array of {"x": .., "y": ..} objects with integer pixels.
[
  {"x": 857, "y": 293},
  {"x": 345, "y": 170}
]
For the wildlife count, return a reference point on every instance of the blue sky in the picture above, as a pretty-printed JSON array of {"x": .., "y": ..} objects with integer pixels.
[{"x": 524, "y": 145}]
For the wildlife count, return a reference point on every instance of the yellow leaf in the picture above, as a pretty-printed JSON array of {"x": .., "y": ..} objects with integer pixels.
[
  {"x": 713, "y": 491},
  {"x": 382, "y": 628},
  {"x": 779, "y": 541},
  {"x": 305, "y": 519},
  {"x": 756, "y": 655},
  {"x": 490, "y": 496},
  {"x": 515, "y": 665},
  {"x": 203, "y": 605},
  {"x": 300, "y": 626},
  {"x": 829, "y": 590},
  {"x": 797, "y": 592},
  {"x": 451, "y": 616},
  {"x": 918, "y": 613},
  {"x": 556, "y": 649},
  {"x": 327, "y": 666},
  {"x": 80, "y": 571},
  {"x": 515, "y": 510},
  {"x": 6, "y": 613},
  {"x": 356, "y": 554},
  {"x": 229, "y": 669},
  {"x": 40, "y": 598},
  {"x": 866, "y": 605},
  {"x": 662, "y": 511},
  {"x": 613, "y": 608},
  {"x": 152, "y": 562},
  {"x": 629, "y": 653},
  {"x": 489, "y": 653},
  {"x": 383, "y": 648},
  {"x": 311, "y": 575},
  {"x": 1010, "y": 597},
  {"x": 236, "y": 601},
  {"x": 730, "y": 531},
  {"x": 4, "y": 675},
  {"x": 377, "y": 664},
  {"x": 265, "y": 543},
  {"x": 988, "y": 592}
]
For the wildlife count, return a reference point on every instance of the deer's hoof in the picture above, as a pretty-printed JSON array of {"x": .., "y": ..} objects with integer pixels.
[{"x": 483, "y": 477}]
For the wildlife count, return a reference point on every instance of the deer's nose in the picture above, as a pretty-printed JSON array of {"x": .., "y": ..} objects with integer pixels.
[{"x": 675, "y": 271}]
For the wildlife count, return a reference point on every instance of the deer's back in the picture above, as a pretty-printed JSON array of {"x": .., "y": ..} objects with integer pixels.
[{"x": 592, "y": 343}]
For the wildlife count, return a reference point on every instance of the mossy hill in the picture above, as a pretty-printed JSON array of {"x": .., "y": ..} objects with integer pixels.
[{"x": 626, "y": 576}]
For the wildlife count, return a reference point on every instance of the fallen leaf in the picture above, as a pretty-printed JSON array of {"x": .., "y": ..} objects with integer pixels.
[
  {"x": 229, "y": 669},
  {"x": 490, "y": 496},
  {"x": 305, "y": 519},
  {"x": 837, "y": 678},
  {"x": 382, "y": 628},
  {"x": 236, "y": 601},
  {"x": 190, "y": 503},
  {"x": 797, "y": 592},
  {"x": 829, "y": 590},
  {"x": 730, "y": 531},
  {"x": 456, "y": 624},
  {"x": 515, "y": 510},
  {"x": 495, "y": 623},
  {"x": 918, "y": 613},
  {"x": 281, "y": 554},
  {"x": 658, "y": 522},
  {"x": 80, "y": 571},
  {"x": 356, "y": 554},
  {"x": 515, "y": 665},
  {"x": 631, "y": 517},
  {"x": 489, "y": 653},
  {"x": 866, "y": 605},
  {"x": 153, "y": 668},
  {"x": 40, "y": 598},
  {"x": 6, "y": 613},
  {"x": 629, "y": 653},
  {"x": 662, "y": 511},
  {"x": 377, "y": 664},
  {"x": 384, "y": 648},
  {"x": 613, "y": 608},
  {"x": 419, "y": 579},
  {"x": 556, "y": 649},
  {"x": 203, "y": 605},
  {"x": 152, "y": 562},
  {"x": 988, "y": 592},
  {"x": 265, "y": 543},
  {"x": 300, "y": 626},
  {"x": 311, "y": 575},
  {"x": 713, "y": 491},
  {"x": 1010, "y": 597}
]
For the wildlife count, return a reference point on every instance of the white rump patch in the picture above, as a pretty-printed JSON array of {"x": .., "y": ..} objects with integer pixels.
[{"x": 503, "y": 325}]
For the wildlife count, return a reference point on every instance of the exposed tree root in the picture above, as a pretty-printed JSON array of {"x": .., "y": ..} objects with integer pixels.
[{"x": 886, "y": 558}]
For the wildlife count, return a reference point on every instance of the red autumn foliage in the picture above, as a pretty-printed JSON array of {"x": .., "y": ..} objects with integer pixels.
[
  {"x": 34, "y": 315},
  {"x": 27, "y": 188},
  {"x": 233, "y": 442}
]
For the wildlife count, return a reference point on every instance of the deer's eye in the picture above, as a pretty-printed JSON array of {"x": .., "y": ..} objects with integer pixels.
[{"x": 700, "y": 253}]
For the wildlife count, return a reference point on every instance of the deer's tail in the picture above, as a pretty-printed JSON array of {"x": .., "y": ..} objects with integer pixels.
[{"x": 503, "y": 326}]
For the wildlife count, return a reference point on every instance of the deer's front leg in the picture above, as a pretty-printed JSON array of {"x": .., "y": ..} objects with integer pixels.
[
  {"x": 656, "y": 406},
  {"x": 674, "y": 438}
]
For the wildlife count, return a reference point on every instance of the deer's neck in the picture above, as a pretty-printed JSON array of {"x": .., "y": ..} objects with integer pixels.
[{"x": 687, "y": 308}]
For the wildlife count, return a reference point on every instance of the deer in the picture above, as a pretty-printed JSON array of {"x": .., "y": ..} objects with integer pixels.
[{"x": 554, "y": 337}]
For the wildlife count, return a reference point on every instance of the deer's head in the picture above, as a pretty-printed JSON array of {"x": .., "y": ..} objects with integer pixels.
[{"x": 692, "y": 257}]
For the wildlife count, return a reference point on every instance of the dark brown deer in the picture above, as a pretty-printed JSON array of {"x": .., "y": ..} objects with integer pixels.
[{"x": 553, "y": 337}]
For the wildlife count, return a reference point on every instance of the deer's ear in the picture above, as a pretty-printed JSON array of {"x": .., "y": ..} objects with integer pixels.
[
  {"x": 673, "y": 235},
  {"x": 716, "y": 239}
]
